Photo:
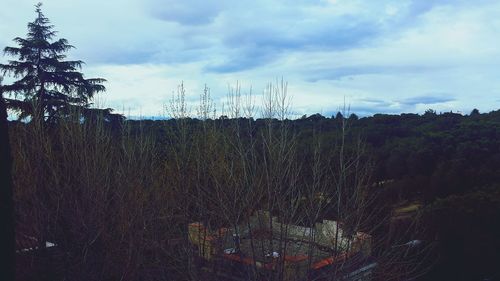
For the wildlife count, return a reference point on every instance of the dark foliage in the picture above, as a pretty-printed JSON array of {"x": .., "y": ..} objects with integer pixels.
[
  {"x": 7, "y": 260},
  {"x": 448, "y": 162}
]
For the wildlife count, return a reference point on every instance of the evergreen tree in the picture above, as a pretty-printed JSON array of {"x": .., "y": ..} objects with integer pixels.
[{"x": 50, "y": 86}]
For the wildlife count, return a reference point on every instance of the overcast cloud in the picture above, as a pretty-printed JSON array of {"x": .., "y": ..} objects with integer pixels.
[{"x": 381, "y": 56}]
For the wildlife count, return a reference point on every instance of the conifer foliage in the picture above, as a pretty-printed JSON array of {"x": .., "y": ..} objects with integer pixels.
[{"x": 48, "y": 85}]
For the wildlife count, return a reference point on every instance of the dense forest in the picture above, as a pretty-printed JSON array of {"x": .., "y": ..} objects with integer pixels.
[
  {"x": 448, "y": 163},
  {"x": 442, "y": 170}
]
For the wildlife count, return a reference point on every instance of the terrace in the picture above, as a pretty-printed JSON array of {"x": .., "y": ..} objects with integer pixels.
[{"x": 264, "y": 247}]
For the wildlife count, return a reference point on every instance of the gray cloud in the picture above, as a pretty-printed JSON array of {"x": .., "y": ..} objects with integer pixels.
[
  {"x": 244, "y": 59},
  {"x": 427, "y": 99},
  {"x": 376, "y": 102},
  {"x": 390, "y": 50},
  {"x": 336, "y": 73},
  {"x": 419, "y": 7},
  {"x": 334, "y": 33},
  {"x": 260, "y": 46},
  {"x": 247, "y": 29},
  {"x": 186, "y": 12}
]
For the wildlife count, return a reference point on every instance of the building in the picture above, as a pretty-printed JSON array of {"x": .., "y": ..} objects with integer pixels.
[{"x": 264, "y": 247}]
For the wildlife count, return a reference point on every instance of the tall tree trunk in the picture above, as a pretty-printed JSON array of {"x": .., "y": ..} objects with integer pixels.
[
  {"x": 39, "y": 115},
  {"x": 7, "y": 236}
]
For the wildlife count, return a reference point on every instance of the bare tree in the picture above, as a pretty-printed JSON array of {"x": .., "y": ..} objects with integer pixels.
[
  {"x": 257, "y": 169},
  {"x": 253, "y": 196}
]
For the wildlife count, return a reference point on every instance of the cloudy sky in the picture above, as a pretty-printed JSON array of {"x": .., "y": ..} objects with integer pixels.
[{"x": 380, "y": 56}]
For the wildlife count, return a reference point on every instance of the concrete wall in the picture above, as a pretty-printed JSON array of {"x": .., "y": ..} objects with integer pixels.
[
  {"x": 325, "y": 233},
  {"x": 328, "y": 234}
]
